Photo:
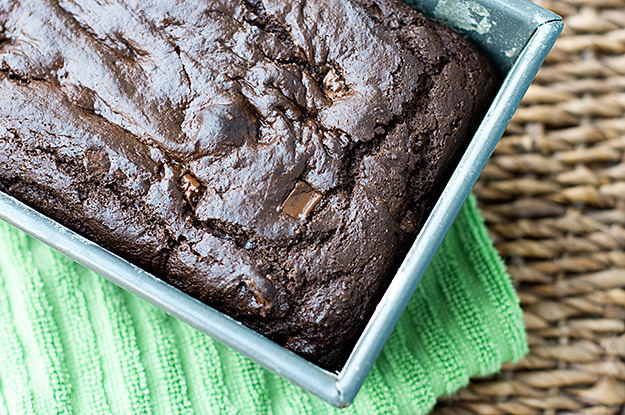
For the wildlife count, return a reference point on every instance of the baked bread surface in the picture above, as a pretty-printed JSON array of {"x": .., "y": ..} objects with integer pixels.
[{"x": 274, "y": 159}]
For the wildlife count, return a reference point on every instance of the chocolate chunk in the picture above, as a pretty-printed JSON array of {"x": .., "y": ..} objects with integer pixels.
[
  {"x": 192, "y": 182},
  {"x": 409, "y": 222},
  {"x": 301, "y": 200},
  {"x": 191, "y": 187},
  {"x": 97, "y": 161},
  {"x": 334, "y": 84}
]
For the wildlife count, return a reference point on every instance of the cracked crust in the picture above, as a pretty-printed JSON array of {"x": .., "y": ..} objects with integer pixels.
[{"x": 173, "y": 135}]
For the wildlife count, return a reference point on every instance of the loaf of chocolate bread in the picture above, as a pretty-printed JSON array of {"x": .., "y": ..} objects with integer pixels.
[{"x": 273, "y": 158}]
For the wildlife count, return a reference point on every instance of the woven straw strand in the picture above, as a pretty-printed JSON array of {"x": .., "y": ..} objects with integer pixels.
[{"x": 553, "y": 196}]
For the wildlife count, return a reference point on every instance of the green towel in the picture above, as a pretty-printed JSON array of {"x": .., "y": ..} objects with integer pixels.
[{"x": 71, "y": 342}]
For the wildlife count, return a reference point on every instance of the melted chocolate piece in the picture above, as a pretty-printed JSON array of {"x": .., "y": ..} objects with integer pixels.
[
  {"x": 301, "y": 201},
  {"x": 191, "y": 188}
]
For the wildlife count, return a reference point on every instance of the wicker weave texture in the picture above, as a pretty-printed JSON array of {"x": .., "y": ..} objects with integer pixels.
[{"x": 553, "y": 195}]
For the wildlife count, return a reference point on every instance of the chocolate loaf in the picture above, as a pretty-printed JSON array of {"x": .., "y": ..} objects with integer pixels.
[{"x": 274, "y": 159}]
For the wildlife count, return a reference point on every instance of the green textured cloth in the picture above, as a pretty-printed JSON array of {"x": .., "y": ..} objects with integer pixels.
[{"x": 71, "y": 342}]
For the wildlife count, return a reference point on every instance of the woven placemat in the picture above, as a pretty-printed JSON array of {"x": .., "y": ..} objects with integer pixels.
[{"x": 554, "y": 199}]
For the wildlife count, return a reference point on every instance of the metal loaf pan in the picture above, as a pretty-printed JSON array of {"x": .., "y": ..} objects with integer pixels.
[{"x": 517, "y": 35}]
